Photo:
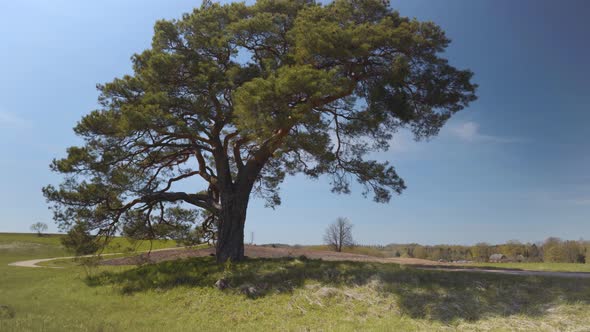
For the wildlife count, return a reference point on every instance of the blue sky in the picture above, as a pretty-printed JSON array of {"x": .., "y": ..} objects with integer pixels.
[{"x": 512, "y": 166}]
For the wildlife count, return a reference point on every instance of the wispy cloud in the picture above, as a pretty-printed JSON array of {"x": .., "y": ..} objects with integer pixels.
[
  {"x": 402, "y": 142},
  {"x": 585, "y": 201},
  {"x": 11, "y": 120},
  {"x": 568, "y": 195},
  {"x": 469, "y": 132}
]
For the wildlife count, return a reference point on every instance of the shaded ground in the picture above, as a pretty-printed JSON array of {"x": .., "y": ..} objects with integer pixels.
[
  {"x": 269, "y": 252},
  {"x": 168, "y": 254}
]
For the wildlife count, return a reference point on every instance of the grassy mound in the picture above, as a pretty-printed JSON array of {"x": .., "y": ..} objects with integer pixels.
[{"x": 433, "y": 295}]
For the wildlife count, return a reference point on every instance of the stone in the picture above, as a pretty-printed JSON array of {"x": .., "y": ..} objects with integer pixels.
[
  {"x": 221, "y": 284},
  {"x": 249, "y": 291}
]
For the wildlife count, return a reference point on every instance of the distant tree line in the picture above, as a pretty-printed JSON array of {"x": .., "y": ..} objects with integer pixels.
[{"x": 553, "y": 250}]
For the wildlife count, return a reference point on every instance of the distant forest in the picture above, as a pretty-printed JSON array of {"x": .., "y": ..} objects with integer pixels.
[{"x": 552, "y": 250}]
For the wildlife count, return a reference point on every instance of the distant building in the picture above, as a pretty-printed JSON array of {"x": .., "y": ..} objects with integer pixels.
[{"x": 497, "y": 258}]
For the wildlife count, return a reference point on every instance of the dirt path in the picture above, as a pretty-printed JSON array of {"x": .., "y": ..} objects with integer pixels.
[
  {"x": 33, "y": 262},
  {"x": 269, "y": 252},
  {"x": 529, "y": 273}
]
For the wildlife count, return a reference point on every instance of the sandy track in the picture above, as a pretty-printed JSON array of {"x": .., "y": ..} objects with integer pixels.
[{"x": 33, "y": 262}]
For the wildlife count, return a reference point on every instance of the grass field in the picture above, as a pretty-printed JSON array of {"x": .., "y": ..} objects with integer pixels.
[
  {"x": 290, "y": 294},
  {"x": 51, "y": 242}
]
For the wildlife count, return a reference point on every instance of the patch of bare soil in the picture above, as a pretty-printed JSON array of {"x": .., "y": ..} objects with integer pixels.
[{"x": 264, "y": 252}]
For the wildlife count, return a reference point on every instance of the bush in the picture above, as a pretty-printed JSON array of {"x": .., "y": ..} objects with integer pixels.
[
  {"x": 80, "y": 241},
  {"x": 90, "y": 264},
  {"x": 6, "y": 311}
]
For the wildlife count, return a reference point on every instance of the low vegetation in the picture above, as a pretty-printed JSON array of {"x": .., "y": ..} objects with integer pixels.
[{"x": 280, "y": 294}]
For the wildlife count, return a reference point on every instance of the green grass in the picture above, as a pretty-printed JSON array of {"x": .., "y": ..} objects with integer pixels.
[
  {"x": 292, "y": 294},
  {"x": 557, "y": 267}
]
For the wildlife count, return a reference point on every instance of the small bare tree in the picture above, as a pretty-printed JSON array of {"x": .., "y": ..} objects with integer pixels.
[
  {"x": 39, "y": 227},
  {"x": 339, "y": 234}
]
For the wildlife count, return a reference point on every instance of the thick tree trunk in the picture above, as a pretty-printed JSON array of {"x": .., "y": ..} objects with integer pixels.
[
  {"x": 230, "y": 238},
  {"x": 234, "y": 197}
]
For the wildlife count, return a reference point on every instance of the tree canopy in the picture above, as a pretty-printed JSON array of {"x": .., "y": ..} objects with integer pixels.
[
  {"x": 39, "y": 227},
  {"x": 339, "y": 234},
  {"x": 241, "y": 96}
]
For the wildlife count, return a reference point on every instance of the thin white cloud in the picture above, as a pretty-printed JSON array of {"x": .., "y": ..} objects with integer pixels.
[
  {"x": 585, "y": 201},
  {"x": 10, "y": 120},
  {"x": 469, "y": 132},
  {"x": 402, "y": 142},
  {"x": 569, "y": 195}
]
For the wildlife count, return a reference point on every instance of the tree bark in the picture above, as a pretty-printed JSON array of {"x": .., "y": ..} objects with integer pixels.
[{"x": 230, "y": 238}]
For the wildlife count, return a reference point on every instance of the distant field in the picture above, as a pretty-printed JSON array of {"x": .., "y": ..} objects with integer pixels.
[{"x": 291, "y": 294}]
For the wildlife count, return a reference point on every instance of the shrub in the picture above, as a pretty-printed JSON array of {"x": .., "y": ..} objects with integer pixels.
[{"x": 80, "y": 241}]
